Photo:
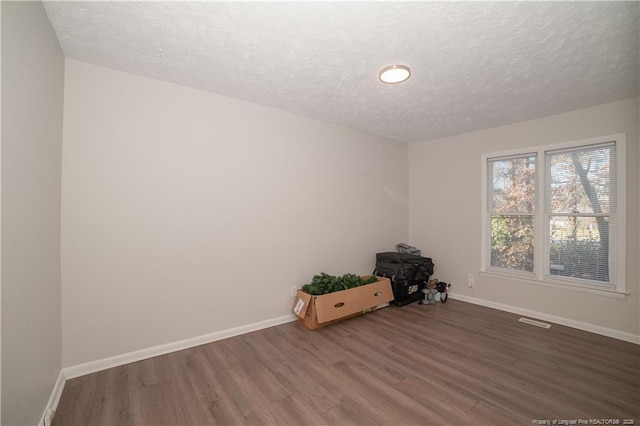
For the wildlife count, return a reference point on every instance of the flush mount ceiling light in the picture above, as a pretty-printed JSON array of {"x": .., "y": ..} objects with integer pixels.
[{"x": 394, "y": 74}]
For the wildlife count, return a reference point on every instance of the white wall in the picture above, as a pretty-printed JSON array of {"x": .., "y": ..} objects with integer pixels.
[
  {"x": 444, "y": 212},
  {"x": 0, "y": 213},
  {"x": 32, "y": 97},
  {"x": 186, "y": 212}
]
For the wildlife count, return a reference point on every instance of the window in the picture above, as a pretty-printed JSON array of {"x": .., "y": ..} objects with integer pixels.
[
  {"x": 555, "y": 214},
  {"x": 512, "y": 200}
]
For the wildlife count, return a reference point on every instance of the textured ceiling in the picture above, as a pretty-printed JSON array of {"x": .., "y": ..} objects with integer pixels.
[{"x": 475, "y": 65}]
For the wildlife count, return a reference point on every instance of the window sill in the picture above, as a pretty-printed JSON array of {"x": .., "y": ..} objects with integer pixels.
[{"x": 555, "y": 284}]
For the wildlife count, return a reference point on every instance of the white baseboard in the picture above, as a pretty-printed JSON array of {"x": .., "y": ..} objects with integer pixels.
[
  {"x": 609, "y": 332},
  {"x": 115, "y": 361},
  {"x": 54, "y": 399}
]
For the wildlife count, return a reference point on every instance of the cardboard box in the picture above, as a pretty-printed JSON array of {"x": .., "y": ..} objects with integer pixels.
[{"x": 319, "y": 311}]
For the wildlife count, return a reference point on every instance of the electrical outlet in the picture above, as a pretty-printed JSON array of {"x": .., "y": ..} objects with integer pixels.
[
  {"x": 470, "y": 280},
  {"x": 294, "y": 290}
]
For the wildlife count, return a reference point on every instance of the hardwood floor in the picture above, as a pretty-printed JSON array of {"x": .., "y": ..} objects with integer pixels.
[{"x": 453, "y": 363}]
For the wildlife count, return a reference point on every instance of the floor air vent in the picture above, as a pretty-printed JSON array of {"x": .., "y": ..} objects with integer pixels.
[{"x": 534, "y": 322}]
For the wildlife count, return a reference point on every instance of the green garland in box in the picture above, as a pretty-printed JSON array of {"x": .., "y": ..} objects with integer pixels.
[{"x": 325, "y": 283}]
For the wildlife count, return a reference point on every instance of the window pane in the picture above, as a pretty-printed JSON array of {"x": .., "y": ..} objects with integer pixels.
[
  {"x": 579, "y": 247},
  {"x": 512, "y": 242},
  {"x": 513, "y": 185},
  {"x": 580, "y": 181}
]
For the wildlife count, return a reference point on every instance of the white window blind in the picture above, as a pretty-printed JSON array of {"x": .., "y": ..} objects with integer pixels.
[{"x": 580, "y": 212}]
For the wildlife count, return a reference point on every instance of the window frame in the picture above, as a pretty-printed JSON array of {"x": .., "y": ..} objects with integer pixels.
[{"x": 540, "y": 275}]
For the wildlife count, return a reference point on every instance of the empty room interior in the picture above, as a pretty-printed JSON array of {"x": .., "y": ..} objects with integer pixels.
[{"x": 305, "y": 213}]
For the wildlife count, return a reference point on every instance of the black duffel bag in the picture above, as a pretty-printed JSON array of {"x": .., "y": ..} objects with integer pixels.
[{"x": 402, "y": 267}]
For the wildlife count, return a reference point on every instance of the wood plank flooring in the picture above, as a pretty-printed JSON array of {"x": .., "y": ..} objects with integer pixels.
[{"x": 453, "y": 363}]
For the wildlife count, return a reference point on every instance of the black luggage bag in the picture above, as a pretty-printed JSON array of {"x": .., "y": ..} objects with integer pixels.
[{"x": 408, "y": 273}]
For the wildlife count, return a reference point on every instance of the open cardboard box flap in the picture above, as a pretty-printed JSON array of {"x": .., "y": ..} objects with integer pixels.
[{"x": 303, "y": 300}]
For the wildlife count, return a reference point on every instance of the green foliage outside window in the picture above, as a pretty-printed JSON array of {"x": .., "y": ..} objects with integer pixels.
[{"x": 512, "y": 242}]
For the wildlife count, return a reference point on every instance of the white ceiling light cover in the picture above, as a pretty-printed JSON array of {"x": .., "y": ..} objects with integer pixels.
[{"x": 394, "y": 74}]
